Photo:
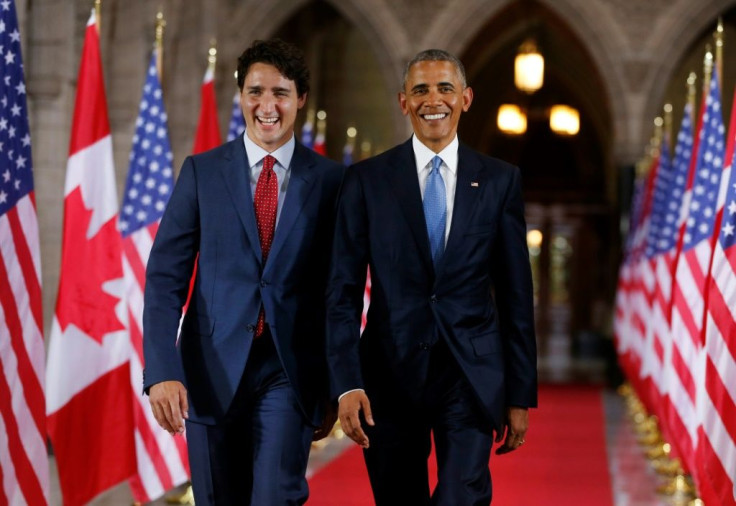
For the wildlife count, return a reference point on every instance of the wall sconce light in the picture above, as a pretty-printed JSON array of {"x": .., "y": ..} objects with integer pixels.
[
  {"x": 529, "y": 67},
  {"x": 511, "y": 119},
  {"x": 564, "y": 120}
]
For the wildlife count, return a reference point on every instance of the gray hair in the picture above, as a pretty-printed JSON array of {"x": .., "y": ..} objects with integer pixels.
[{"x": 436, "y": 55}]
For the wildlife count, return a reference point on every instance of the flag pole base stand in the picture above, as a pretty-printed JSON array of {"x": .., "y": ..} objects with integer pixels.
[
  {"x": 186, "y": 497},
  {"x": 696, "y": 502},
  {"x": 680, "y": 488},
  {"x": 667, "y": 467}
]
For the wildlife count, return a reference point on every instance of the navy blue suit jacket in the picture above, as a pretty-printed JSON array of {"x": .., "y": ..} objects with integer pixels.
[
  {"x": 380, "y": 223},
  {"x": 210, "y": 218}
]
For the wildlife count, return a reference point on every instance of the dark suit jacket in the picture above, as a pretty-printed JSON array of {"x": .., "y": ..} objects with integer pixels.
[
  {"x": 381, "y": 222},
  {"x": 211, "y": 214}
]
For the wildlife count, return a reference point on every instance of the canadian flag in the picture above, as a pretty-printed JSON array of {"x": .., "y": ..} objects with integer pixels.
[
  {"x": 88, "y": 377},
  {"x": 208, "y": 131}
]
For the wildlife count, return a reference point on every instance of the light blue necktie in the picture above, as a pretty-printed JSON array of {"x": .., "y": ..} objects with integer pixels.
[{"x": 435, "y": 210}]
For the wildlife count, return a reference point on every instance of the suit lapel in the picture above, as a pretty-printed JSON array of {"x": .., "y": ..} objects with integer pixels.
[
  {"x": 301, "y": 183},
  {"x": 236, "y": 174},
  {"x": 467, "y": 191},
  {"x": 405, "y": 185}
]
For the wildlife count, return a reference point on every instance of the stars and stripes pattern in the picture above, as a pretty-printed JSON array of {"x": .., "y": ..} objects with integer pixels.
[
  {"x": 24, "y": 464},
  {"x": 236, "y": 126},
  {"x": 717, "y": 402},
  {"x": 688, "y": 301},
  {"x": 655, "y": 337},
  {"x": 162, "y": 461}
]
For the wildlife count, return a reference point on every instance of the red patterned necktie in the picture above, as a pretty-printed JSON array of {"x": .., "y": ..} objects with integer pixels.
[{"x": 266, "y": 202}]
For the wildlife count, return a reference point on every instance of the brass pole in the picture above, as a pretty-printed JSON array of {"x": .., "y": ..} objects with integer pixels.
[
  {"x": 718, "y": 36},
  {"x": 159, "y": 44},
  {"x": 98, "y": 16},
  {"x": 707, "y": 69},
  {"x": 691, "y": 93},
  {"x": 212, "y": 56},
  {"x": 668, "y": 124}
]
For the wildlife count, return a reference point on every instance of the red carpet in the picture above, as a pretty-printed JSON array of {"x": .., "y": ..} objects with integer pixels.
[{"x": 563, "y": 461}]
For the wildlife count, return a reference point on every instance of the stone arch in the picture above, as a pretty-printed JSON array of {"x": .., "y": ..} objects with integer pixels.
[
  {"x": 455, "y": 28},
  {"x": 387, "y": 37},
  {"x": 674, "y": 38}
]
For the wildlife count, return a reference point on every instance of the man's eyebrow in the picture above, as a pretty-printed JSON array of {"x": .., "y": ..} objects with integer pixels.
[{"x": 421, "y": 86}]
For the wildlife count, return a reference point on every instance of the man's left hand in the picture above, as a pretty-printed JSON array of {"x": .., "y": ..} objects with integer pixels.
[{"x": 517, "y": 423}]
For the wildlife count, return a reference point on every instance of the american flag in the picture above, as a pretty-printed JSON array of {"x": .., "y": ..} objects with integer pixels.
[
  {"x": 622, "y": 310},
  {"x": 24, "y": 464},
  {"x": 665, "y": 254},
  {"x": 688, "y": 301},
  {"x": 655, "y": 337},
  {"x": 236, "y": 127},
  {"x": 162, "y": 458},
  {"x": 717, "y": 441},
  {"x": 308, "y": 130}
]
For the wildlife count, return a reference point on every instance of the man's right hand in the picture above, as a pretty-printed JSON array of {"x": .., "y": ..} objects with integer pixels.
[
  {"x": 349, "y": 410},
  {"x": 169, "y": 405}
]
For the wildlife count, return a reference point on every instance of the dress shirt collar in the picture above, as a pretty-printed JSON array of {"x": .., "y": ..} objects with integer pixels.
[
  {"x": 282, "y": 155},
  {"x": 423, "y": 155}
]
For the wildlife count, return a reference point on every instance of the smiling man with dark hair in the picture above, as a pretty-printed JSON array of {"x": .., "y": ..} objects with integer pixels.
[
  {"x": 442, "y": 229},
  {"x": 248, "y": 373}
]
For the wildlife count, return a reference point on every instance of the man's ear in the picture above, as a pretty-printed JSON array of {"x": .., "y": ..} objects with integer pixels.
[
  {"x": 402, "y": 103},
  {"x": 467, "y": 98},
  {"x": 301, "y": 101}
]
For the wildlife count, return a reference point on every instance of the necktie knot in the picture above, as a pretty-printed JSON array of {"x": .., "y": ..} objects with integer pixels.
[
  {"x": 436, "y": 163},
  {"x": 268, "y": 162}
]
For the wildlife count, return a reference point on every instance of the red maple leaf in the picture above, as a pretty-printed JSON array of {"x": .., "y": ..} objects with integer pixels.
[{"x": 86, "y": 264}]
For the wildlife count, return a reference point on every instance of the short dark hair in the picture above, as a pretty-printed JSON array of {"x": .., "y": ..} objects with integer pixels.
[
  {"x": 436, "y": 55},
  {"x": 287, "y": 58}
]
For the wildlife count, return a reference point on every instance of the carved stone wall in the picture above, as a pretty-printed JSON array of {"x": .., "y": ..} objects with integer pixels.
[{"x": 635, "y": 45}]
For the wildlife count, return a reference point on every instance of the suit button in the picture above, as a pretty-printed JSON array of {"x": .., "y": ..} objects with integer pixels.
[
  {"x": 263, "y": 283},
  {"x": 250, "y": 328},
  {"x": 424, "y": 346},
  {"x": 433, "y": 299}
]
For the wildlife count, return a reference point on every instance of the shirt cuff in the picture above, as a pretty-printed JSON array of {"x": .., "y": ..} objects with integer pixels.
[{"x": 346, "y": 393}]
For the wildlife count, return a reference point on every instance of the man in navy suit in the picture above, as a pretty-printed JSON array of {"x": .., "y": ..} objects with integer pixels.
[
  {"x": 248, "y": 373},
  {"x": 449, "y": 346}
]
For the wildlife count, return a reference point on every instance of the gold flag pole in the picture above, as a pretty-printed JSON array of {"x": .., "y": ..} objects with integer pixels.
[
  {"x": 707, "y": 69},
  {"x": 159, "y": 44},
  {"x": 718, "y": 36},
  {"x": 98, "y": 15},
  {"x": 691, "y": 92},
  {"x": 212, "y": 56},
  {"x": 668, "y": 124}
]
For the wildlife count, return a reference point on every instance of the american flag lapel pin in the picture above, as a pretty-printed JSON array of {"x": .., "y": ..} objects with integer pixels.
[{"x": 474, "y": 184}]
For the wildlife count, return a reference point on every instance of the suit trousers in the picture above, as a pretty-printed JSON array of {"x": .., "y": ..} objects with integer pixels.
[
  {"x": 400, "y": 441},
  {"x": 258, "y": 453}
]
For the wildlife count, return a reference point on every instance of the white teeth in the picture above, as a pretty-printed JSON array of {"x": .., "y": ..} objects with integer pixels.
[
  {"x": 268, "y": 121},
  {"x": 434, "y": 116}
]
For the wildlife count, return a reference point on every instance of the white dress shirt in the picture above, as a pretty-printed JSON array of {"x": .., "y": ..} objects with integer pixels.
[
  {"x": 423, "y": 156},
  {"x": 282, "y": 167}
]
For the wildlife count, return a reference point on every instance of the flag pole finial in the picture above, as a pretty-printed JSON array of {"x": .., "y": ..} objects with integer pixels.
[
  {"x": 159, "y": 43},
  {"x": 718, "y": 36},
  {"x": 668, "y": 122},
  {"x": 691, "y": 92},
  {"x": 212, "y": 55},
  {"x": 98, "y": 15},
  {"x": 707, "y": 67}
]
